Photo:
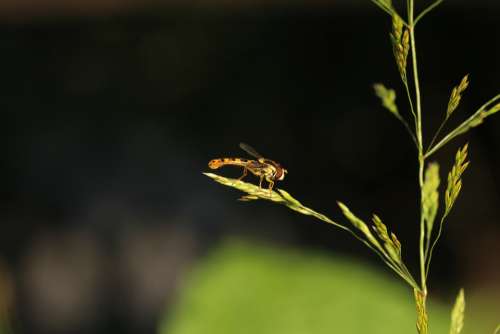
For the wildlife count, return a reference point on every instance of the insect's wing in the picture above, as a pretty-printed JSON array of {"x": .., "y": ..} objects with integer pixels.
[{"x": 250, "y": 150}]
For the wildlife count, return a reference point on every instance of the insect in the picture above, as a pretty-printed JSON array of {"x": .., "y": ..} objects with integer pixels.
[{"x": 264, "y": 168}]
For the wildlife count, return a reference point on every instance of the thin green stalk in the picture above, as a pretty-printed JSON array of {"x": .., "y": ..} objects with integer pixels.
[
  {"x": 421, "y": 293},
  {"x": 421, "y": 157},
  {"x": 458, "y": 130},
  {"x": 410, "y": 101},
  {"x": 427, "y": 10},
  {"x": 416, "y": 82},
  {"x": 422, "y": 226},
  {"x": 282, "y": 197},
  {"x": 382, "y": 7},
  {"x": 402, "y": 272},
  {"x": 405, "y": 123},
  {"x": 438, "y": 132},
  {"x": 429, "y": 255}
]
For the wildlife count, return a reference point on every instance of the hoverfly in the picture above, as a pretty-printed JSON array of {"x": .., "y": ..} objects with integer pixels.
[{"x": 264, "y": 168}]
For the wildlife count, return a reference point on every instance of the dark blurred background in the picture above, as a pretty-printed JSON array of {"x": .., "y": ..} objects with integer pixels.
[{"x": 112, "y": 109}]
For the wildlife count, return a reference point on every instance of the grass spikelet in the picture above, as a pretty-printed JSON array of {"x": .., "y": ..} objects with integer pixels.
[
  {"x": 457, "y": 314},
  {"x": 405, "y": 42},
  {"x": 476, "y": 119},
  {"x": 254, "y": 192},
  {"x": 492, "y": 110},
  {"x": 400, "y": 44},
  {"x": 452, "y": 191},
  {"x": 386, "y": 3},
  {"x": 397, "y": 28},
  {"x": 387, "y": 97},
  {"x": 360, "y": 225},
  {"x": 422, "y": 321},
  {"x": 390, "y": 253},
  {"x": 280, "y": 196},
  {"x": 396, "y": 243},
  {"x": 456, "y": 95},
  {"x": 393, "y": 249},
  {"x": 454, "y": 178},
  {"x": 430, "y": 196}
]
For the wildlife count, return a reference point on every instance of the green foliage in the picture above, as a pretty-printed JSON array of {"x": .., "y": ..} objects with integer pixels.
[
  {"x": 249, "y": 288},
  {"x": 457, "y": 314}
]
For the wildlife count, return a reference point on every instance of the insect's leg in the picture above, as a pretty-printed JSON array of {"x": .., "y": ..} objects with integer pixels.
[
  {"x": 261, "y": 179},
  {"x": 245, "y": 173},
  {"x": 271, "y": 185}
]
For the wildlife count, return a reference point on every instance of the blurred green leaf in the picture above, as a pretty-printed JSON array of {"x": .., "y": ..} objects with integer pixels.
[{"x": 246, "y": 288}]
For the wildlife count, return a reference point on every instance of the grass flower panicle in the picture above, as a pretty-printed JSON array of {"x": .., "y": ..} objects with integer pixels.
[{"x": 376, "y": 236}]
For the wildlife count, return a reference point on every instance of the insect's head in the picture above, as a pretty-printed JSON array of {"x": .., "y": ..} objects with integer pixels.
[{"x": 282, "y": 176}]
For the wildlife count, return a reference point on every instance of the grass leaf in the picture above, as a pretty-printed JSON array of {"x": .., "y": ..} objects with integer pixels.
[{"x": 457, "y": 314}]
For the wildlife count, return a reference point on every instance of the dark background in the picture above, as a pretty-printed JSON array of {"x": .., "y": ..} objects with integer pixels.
[{"x": 109, "y": 116}]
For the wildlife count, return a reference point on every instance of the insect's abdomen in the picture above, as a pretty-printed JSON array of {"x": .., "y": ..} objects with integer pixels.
[{"x": 217, "y": 163}]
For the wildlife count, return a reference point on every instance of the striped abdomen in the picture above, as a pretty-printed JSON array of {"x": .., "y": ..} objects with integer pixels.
[{"x": 217, "y": 163}]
